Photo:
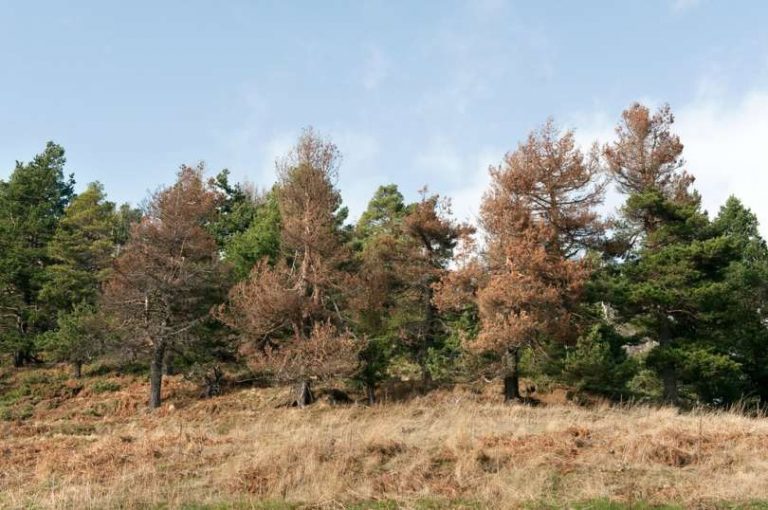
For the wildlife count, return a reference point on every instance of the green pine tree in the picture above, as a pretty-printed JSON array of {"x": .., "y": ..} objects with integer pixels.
[
  {"x": 32, "y": 201},
  {"x": 81, "y": 250},
  {"x": 746, "y": 312}
]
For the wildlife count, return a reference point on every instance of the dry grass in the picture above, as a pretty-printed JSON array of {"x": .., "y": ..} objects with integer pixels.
[{"x": 102, "y": 450}]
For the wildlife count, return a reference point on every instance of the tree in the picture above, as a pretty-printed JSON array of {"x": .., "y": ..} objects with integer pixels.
[
  {"x": 169, "y": 275},
  {"x": 80, "y": 336},
  {"x": 679, "y": 279},
  {"x": 558, "y": 185},
  {"x": 376, "y": 241},
  {"x": 646, "y": 161},
  {"x": 538, "y": 217},
  {"x": 126, "y": 217},
  {"x": 384, "y": 214},
  {"x": 431, "y": 236},
  {"x": 676, "y": 291},
  {"x": 294, "y": 306},
  {"x": 81, "y": 250},
  {"x": 236, "y": 208},
  {"x": 259, "y": 240},
  {"x": 81, "y": 253},
  {"x": 745, "y": 332},
  {"x": 661, "y": 218},
  {"x": 32, "y": 201}
]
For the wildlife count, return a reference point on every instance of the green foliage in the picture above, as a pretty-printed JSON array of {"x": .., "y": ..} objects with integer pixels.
[
  {"x": 598, "y": 363},
  {"x": 105, "y": 387},
  {"x": 375, "y": 359},
  {"x": 235, "y": 211},
  {"x": 81, "y": 335},
  {"x": 645, "y": 385},
  {"x": 447, "y": 358},
  {"x": 697, "y": 288},
  {"x": 745, "y": 312},
  {"x": 125, "y": 217},
  {"x": 261, "y": 238},
  {"x": 32, "y": 201},
  {"x": 373, "y": 241},
  {"x": 692, "y": 290},
  {"x": 385, "y": 210},
  {"x": 81, "y": 250}
]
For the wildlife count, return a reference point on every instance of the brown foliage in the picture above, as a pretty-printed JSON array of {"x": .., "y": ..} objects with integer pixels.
[
  {"x": 169, "y": 274},
  {"x": 288, "y": 309},
  {"x": 548, "y": 182},
  {"x": 308, "y": 202},
  {"x": 432, "y": 235},
  {"x": 647, "y": 155},
  {"x": 164, "y": 275},
  {"x": 537, "y": 217},
  {"x": 267, "y": 304},
  {"x": 325, "y": 354}
]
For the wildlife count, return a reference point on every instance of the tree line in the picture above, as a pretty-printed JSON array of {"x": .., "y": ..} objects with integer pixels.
[{"x": 657, "y": 302}]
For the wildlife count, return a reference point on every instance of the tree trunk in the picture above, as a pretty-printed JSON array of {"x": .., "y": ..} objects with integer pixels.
[
  {"x": 18, "y": 359},
  {"x": 304, "y": 396},
  {"x": 370, "y": 390},
  {"x": 77, "y": 369},
  {"x": 511, "y": 375},
  {"x": 430, "y": 333},
  {"x": 668, "y": 375},
  {"x": 669, "y": 380},
  {"x": 426, "y": 376},
  {"x": 170, "y": 369},
  {"x": 156, "y": 375}
]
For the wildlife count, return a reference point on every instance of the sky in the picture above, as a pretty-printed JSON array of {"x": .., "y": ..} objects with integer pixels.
[{"x": 416, "y": 93}]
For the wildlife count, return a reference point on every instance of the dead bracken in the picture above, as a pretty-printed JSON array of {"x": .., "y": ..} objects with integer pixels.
[{"x": 481, "y": 450}]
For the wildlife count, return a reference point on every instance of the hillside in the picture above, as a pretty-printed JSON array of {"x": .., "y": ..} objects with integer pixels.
[{"x": 92, "y": 444}]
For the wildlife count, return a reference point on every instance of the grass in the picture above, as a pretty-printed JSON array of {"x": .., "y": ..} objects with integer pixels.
[{"x": 459, "y": 450}]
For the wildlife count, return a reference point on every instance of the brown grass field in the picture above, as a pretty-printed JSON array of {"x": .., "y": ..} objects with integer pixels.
[{"x": 91, "y": 444}]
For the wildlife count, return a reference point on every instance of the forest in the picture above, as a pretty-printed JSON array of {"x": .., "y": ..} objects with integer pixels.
[{"x": 656, "y": 302}]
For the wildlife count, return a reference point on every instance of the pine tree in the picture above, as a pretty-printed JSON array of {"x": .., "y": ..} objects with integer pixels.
[
  {"x": 261, "y": 238},
  {"x": 292, "y": 310},
  {"x": 377, "y": 282},
  {"x": 81, "y": 335},
  {"x": 431, "y": 236},
  {"x": 32, "y": 201},
  {"x": 744, "y": 315},
  {"x": 81, "y": 250},
  {"x": 169, "y": 275},
  {"x": 538, "y": 217},
  {"x": 671, "y": 280}
]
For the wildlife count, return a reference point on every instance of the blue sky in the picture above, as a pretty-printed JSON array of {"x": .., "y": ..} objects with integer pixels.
[{"x": 418, "y": 92}]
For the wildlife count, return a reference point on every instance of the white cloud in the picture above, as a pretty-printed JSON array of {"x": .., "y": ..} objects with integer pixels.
[
  {"x": 466, "y": 197},
  {"x": 440, "y": 159},
  {"x": 725, "y": 148},
  {"x": 275, "y": 148},
  {"x": 491, "y": 44},
  {"x": 462, "y": 178},
  {"x": 359, "y": 175}
]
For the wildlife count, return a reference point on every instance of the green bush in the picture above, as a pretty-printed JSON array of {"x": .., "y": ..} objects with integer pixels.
[{"x": 105, "y": 386}]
